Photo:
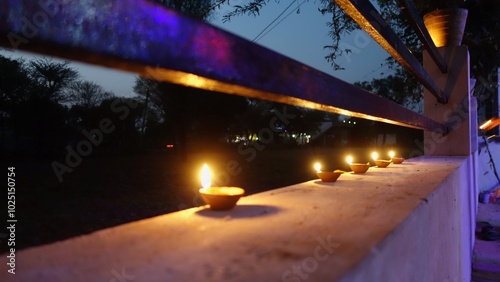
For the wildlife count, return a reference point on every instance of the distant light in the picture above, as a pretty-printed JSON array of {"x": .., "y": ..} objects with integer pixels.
[
  {"x": 169, "y": 146},
  {"x": 490, "y": 124},
  {"x": 484, "y": 125}
]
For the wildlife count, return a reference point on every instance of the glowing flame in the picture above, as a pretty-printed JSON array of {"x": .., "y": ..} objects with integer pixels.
[
  {"x": 348, "y": 159},
  {"x": 374, "y": 156},
  {"x": 391, "y": 154},
  {"x": 205, "y": 176},
  {"x": 317, "y": 167},
  {"x": 484, "y": 125}
]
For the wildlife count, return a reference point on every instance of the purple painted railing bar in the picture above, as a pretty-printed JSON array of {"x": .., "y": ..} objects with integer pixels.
[
  {"x": 363, "y": 12},
  {"x": 136, "y": 35},
  {"x": 423, "y": 34}
]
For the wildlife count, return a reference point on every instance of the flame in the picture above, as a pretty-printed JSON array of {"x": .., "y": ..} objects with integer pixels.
[
  {"x": 484, "y": 125},
  {"x": 391, "y": 154},
  {"x": 348, "y": 159},
  {"x": 205, "y": 176},
  {"x": 374, "y": 156},
  {"x": 317, "y": 167}
]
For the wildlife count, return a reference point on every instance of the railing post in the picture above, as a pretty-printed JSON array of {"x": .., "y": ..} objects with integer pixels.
[{"x": 457, "y": 113}]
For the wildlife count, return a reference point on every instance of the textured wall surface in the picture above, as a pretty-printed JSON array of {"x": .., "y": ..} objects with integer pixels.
[{"x": 407, "y": 222}]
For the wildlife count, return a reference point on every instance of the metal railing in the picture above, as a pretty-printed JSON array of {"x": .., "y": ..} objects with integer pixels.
[
  {"x": 140, "y": 37},
  {"x": 368, "y": 18}
]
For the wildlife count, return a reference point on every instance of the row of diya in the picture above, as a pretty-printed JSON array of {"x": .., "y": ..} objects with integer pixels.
[
  {"x": 332, "y": 176},
  {"x": 225, "y": 198}
]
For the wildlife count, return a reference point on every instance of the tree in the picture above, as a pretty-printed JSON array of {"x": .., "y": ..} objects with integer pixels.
[
  {"x": 31, "y": 108},
  {"x": 340, "y": 25},
  {"x": 399, "y": 88},
  {"x": 170, "y": 101},
  {"x": 188, "y": 111},
  {"x": 14, "y": 87},
  {"x": 200, "y": 9},
  {"x": 51, "y": 78},
  {"x": 14, "y": 81},
  {"x": 482, "y": 34},
  {"x": 86, "y": 94}
]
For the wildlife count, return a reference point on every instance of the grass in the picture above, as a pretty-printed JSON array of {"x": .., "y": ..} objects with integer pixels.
[{"x": 108, "y": 190}]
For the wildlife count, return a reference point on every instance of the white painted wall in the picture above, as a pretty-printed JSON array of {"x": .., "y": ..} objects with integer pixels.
[{"x": 486, "y": 175}]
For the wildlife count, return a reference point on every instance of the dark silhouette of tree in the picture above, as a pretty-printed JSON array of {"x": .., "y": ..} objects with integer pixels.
[
  {"x": 262, "y": 117},
  {"x": 14, "y": 81},
  {"x": 200, "y": 9},
  {"x": 125, "y": 117},
  {"x": 397, "y": 88},
  {"x": 14, "y": 87},
  {"x": 482, "y": 36},
  {"x": 31, "y": 107},
  {"x": 50, "y": 78},
  {"x": 188, "y": 113},
  {"x": 173, "y": 104},
  {"x": 86, "y": 94}
]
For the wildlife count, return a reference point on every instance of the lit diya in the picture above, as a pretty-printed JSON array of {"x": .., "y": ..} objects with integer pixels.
[
  {"x": 219, "y": 198},
  {"x": 357, "y": 167},
  {"x": 327, "y": 176},
  {"x": 380, "y": 163},
  {"x": 396, "y": 160}
]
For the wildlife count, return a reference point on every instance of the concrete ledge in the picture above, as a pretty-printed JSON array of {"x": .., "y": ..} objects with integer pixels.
[{"x": 408, "y": 222}]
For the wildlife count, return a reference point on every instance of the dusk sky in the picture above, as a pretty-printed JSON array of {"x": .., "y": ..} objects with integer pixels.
[{"x": 299, "y": 35}]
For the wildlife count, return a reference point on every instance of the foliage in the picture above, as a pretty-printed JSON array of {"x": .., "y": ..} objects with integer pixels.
[
  {"x": 200, "y": 9},
  {"x": 397, "y": 88},
  {"x": 35, "y": 118},
  {"x": 50, "y": 78},
  {"x": 252, "y": 8},
  {"x": 189, "y": 111},
  {"x": 194, "y": 114},
  {"x": 341, "y": 24},
  {"x": 482, "y": 36},
  {"x": 86, "y": 94},
  {"x": 13, "y": 82},
  {"x": 30, "y": 96}
]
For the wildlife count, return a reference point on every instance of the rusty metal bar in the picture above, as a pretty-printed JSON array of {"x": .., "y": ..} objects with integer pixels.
[
  {"x": 368, "y": 18},
  {"x": 138, "y": 36},
  {"x": 423, "y": 34}
]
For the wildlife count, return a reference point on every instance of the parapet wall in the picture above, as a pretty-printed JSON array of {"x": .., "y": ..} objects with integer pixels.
[{"x": 408, "y": 222}]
